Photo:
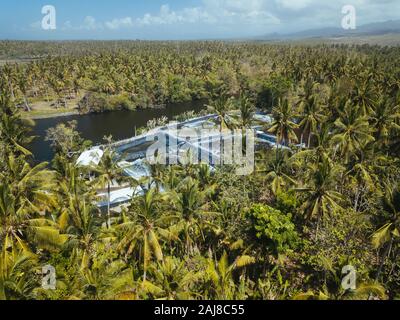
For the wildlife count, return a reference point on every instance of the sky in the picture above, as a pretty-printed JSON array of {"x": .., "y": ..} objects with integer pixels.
[{"x": 181, "y": 19}]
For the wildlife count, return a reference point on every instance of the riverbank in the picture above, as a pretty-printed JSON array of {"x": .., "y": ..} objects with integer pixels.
[
  {"x": 120, "y": 124},
  {"x": 41, "y": 109},
  {"x": 42, "y": 115}
]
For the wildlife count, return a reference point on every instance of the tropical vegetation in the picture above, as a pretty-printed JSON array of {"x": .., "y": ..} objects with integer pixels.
[{"x": 327, "y": 196}]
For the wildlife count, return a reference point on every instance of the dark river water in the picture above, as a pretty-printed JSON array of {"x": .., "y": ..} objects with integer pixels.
[{"x": 119, "y": 124}]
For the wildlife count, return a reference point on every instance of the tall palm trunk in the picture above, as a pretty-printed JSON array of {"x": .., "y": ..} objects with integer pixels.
[
  {"x": 317, "y": 228},
  {"x": 384, "y": 258},
  {"x": 27, "y": 107},
  {"x": 11, "y": 90}
]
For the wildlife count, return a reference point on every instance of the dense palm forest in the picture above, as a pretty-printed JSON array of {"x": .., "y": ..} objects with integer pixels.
[{"x": 284, "y": 232}]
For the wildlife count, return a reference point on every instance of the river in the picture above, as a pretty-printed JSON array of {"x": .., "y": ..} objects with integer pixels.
[{"x": 119, "y": 124}]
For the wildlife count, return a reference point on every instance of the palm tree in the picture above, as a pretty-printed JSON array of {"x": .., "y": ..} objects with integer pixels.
[
  {"x": 321, "y": 198},
  {"x": 108, "y": 172},
  {"x": 14, "y": 131},
  {"x": 321, "y": 149},
  {"x": 362, "y": 96},
  {"x": 20, "y": 228},
  {"x": 107, "y": 277},
  {"x": 307, "y": 91},
  {"x": 283, "y": 126},
  {"x": 362, "y": 175},
  {"x": 352, "y": 132},
  {"x": 310, "y": 119},
  {"x": 364, "y": 292},
  {"x": 189, "y": 203},
  {"x": 26, "y": 197},
  {"x": 218, "y": 276},
  {"x": 57, "y": 86},
  {"x": 172, "y": 280},
  {"x": 78, "y": 220},
  {"x": 221, "y": 108},
  {"x": 388, "y": 235},
  {"x": 246, "y": 109},
  {"x": 274, "y": 168},
  {"x": 23, "y": 84},
  {"x": 17, "y": 273},
  {"x": 10, "y": 78},
  {"x": 384, "y": 120},
  {"x": 142, "y": 228}
]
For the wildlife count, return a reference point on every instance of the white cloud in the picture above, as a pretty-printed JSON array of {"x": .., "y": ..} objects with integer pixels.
[
  {"x": 168, "y": 16},
  {"x": 89, "y": 23},
  {"x": 116, "y": 24},
  {"x": 219, "y": 12},
  {"x": 295, "y": 4},
  {"x": 219, "y": 18}
]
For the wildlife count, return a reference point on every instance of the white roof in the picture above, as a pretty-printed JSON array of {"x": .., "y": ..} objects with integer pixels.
[
  {"x": 136, "y": 170},
  {"x": 90, "y": 158},
  {"x": 263, "y": 118},
  {"x": 119, "y": 196}
]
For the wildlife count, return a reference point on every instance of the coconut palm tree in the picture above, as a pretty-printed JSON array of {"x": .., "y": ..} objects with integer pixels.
[
  {"x": 352, "y": 132},
  {"x": 26, "y": 198},
  {"x": 311, "y": 117},
  {"x": 283, "y": 125},
  {"x": 23, "y": 87},
  {"x": 221, "y": 108},
  {"x": 189, "y": 204},
  {"x": 9, "y": 73},
  {"x": 364, "y": 292},
  {"x": 219, "y": 279},
  {"x": 32, "y": 187},
  {"x": 274, "y": 170},
  {"x": 321, "y": 197},
  {"x": 14, "y": 131},
  {"x": 387, "y": 237},
  {"x": 172, "y": 280},
  {"x": 21, "y": 228},
  {"x": 384, "y": 119},
  {"x": 362, "y": 96},
  {"x": 17, "y": 273},
  {"x": 143, "y": 227},
  {"x": 247, "y": 110},
  {"x": 109, "y": 172},
  {"x": 361, "y": 173}
]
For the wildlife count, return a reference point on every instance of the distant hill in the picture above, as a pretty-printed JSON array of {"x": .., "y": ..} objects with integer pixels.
[{"x": 372, "y": 29}]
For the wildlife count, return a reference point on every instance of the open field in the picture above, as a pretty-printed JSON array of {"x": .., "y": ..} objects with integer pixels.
[
  {"x": 41, "y": 109},
  {"x": 379, "y": 40},
  {"x": 391, "y": 40}
]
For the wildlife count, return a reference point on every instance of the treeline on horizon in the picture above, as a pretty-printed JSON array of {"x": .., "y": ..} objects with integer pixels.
[
  {"x": 284, "y": 232},
  {"x": 110, "y": 75}
]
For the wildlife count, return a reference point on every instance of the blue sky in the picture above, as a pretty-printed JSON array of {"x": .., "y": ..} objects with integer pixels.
[{"x": 179, "y": 19}]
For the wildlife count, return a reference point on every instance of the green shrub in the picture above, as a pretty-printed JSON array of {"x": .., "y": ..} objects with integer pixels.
[
  {"x": 274, "y": 228},
  {"x": 286, "y": 202}
]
